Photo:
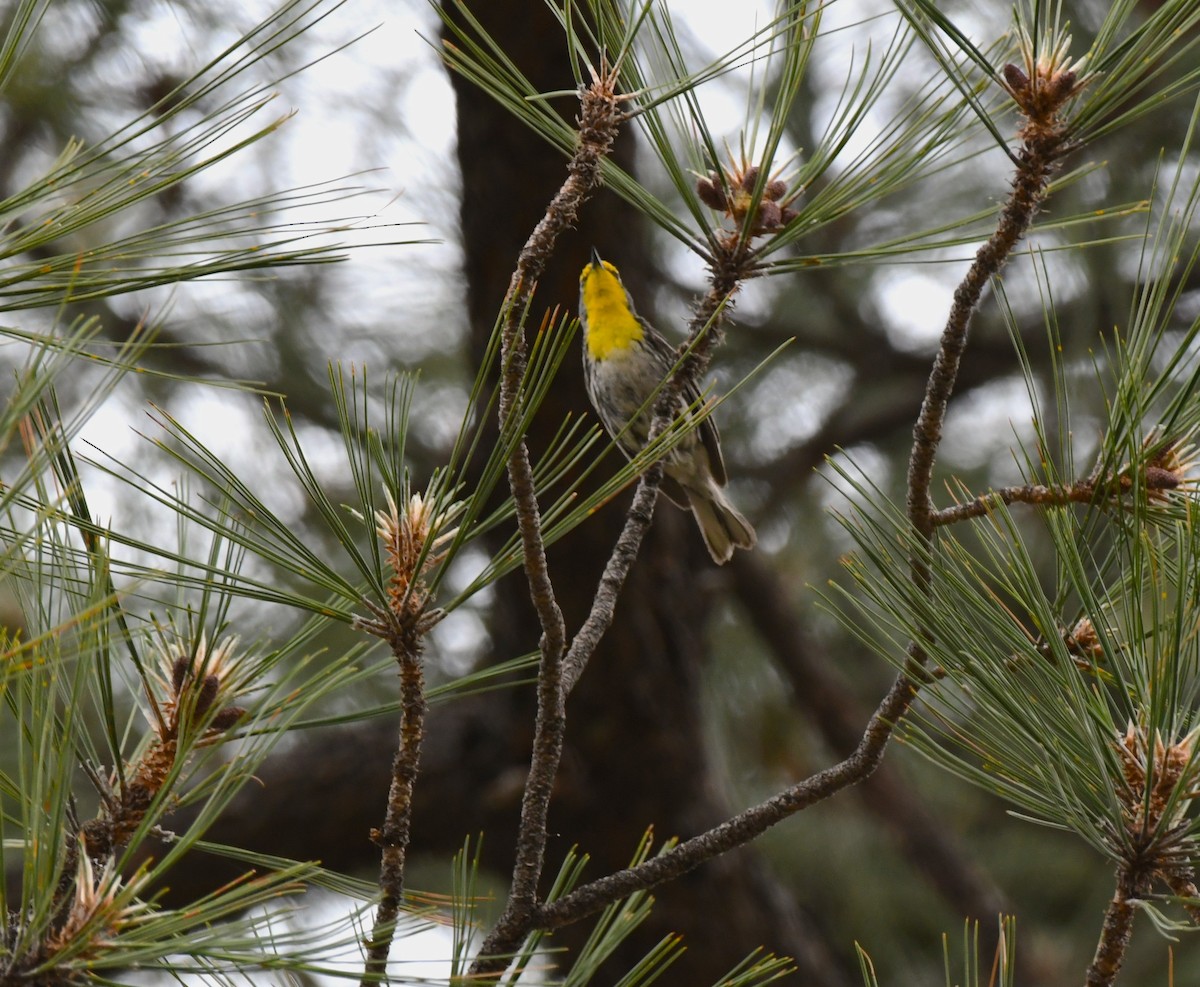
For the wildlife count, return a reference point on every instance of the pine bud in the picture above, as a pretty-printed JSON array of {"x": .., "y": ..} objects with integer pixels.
[
  {"x": 1017, "y": 80},
  {"x": 710, "y": 192}
]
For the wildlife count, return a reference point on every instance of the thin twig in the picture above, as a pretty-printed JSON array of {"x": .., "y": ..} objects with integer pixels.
[
  {"x": 600, "y": 617},
  {"x": 393, "y": 837},
  {"x": 1155, "y": 481},
  {"x": 740, "y": 829},
  {"x": 1045, "y": 496},
  {"x": 600, "y": 119}
]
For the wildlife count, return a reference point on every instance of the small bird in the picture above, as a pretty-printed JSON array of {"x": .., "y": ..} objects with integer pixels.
[{"x": 624, "y": 361}]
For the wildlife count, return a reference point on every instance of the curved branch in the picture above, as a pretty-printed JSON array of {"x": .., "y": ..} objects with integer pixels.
[
  {"x": 824, "y": 700},
  {"x": 740, "y": 829},
  {"x": 600, "y": 118},
  {"x": 1040, "y": 154}
]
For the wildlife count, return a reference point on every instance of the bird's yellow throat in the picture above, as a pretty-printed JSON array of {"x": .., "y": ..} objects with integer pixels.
[{"x": 611, "y": 324}]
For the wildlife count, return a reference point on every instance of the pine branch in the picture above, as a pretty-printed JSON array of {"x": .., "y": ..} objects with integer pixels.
[
  {"x": 821, "y": 697},
  {"x": 1156, "y": 481},
  {"x": 740, "y": 829},
  {"x": 411, "y": 533},
  {"x": 616, "y": 570},
  {"x": 393, "y": 837},
  {"x": 1045, "y": 141},
  {"x": 600, "y": 118},
  {"x": 1133, "y": 882}
]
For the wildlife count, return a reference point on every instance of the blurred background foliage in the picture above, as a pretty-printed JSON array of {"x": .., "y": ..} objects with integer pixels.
[{"x": 716, "y": 686}]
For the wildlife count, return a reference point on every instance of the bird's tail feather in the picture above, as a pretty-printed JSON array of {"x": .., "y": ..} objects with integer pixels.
[{"x": 722, "y": 526}]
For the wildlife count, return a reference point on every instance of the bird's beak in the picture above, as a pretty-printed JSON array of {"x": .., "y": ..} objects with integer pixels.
[{"x": 596, "y": 257}]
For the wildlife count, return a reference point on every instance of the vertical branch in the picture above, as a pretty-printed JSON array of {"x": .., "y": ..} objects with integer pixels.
[
  {"x": 1040, "y": 93},
  {"x": 411, "y": 533},
  {"x": 1133, "y": 882},
  {"x": 393, "y": 837},
  {"x": 599, "y": 120}
]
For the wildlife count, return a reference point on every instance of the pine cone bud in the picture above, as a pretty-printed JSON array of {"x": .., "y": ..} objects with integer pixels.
[
  {"x": 710, "y": 192},
  {"x": 227, "y": 718},
  {"x": 1017, "y": 80}
]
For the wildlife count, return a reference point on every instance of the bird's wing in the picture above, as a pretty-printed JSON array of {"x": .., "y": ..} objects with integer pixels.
[{"x": 709, "y": 436}]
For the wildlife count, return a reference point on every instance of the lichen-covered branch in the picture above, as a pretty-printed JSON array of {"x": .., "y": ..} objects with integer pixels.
[
  {"x": 740, "y": 829},
  {"x": 599, "y": 120},
  {"x": 1156, "y": 481},
  {"x": 1117, "y": 930},
  {"x": 393, "y": 836}
]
